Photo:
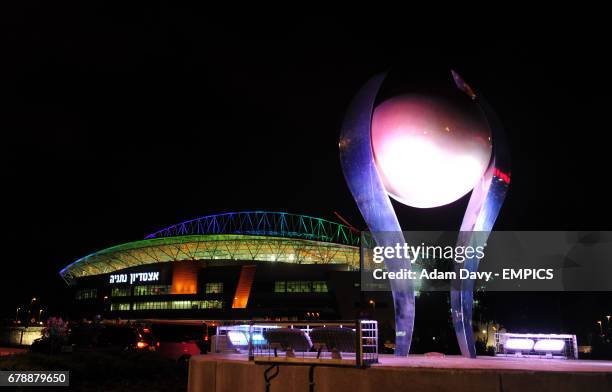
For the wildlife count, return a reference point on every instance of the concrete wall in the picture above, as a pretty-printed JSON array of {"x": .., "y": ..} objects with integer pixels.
[
  {"x": 19, "y": 336},
  {"x": 210, "y": 375}
]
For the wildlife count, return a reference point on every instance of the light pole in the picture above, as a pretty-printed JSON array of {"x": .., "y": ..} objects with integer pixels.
[
  {"x": 17, "y": 315},
  {"x": 600, "y": 327},
  {"x": 485, "y": 332}
]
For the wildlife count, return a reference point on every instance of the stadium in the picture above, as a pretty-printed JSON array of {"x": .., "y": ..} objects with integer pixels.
[{"x": 237, "y": 265}]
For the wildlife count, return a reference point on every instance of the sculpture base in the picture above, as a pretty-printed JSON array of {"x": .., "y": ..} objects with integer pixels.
[{"x": 415, "y": 373}]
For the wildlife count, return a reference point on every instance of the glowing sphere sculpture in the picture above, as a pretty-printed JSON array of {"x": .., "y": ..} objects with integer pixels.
[
  {"x": 429, "y": 151},
  {"x": 426, "y": 151}
]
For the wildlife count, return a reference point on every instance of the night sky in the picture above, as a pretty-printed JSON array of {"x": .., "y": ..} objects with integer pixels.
[{"x": 118, "y": 122}]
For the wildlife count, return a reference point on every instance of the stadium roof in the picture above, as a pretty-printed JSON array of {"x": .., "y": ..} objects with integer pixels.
[
  {"x": 279, "y": 224},
  {"x": 254, "y": 235}
]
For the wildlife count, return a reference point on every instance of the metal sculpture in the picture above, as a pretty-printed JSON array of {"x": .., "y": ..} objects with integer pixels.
[{"x": 368, "y": 190}]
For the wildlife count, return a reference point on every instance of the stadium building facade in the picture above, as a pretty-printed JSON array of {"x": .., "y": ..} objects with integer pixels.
[{"x": 241, "y": 265}]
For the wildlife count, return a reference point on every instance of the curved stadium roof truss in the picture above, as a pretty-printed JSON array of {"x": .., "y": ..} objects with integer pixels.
[
  {"x": 264, "y": 223},
  {"x": 255, "y": 236}
]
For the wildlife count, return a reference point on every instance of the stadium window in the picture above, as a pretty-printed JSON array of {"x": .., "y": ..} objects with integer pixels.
[
  {"x": 173, "y": 305},
  {"x": 211, "y": 304},
  {"x": 300, "y": 286},
  {"x": 86, "y": 294},
  {"x": 280, "y": 286},
  {"x": 214, "y": 288},
  {"x": 180, "y": 305},
  {"x": 296, "y": 286},
  {"x": 151, "y": 290},
  {"x": 120, "y": 307},
  {"x": 151, "y": 305},
  {"x": 121, "y": 292},
  {"x": 293, "y": 286}
]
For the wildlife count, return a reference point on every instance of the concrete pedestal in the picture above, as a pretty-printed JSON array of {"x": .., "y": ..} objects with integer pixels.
[{"x": 233, "y": 373}]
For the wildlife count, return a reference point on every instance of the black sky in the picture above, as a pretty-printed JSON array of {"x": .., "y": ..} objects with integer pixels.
[{"x": 117, "y": 122}]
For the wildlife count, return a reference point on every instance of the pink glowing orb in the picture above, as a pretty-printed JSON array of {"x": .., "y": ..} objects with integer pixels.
[{"x": 429, "y": 151}]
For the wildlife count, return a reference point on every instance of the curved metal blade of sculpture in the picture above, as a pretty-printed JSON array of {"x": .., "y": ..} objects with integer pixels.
[
  {"x": 478, "y": 220},
  {"x": 361, "y": 175}
]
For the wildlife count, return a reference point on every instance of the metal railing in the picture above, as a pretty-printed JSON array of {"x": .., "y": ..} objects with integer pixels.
[
  {"x": 531, "y": 345},
  {"x": 340, "y": 343}
]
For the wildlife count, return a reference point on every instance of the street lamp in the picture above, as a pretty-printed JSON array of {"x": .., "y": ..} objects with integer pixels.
[
  {"x": 373, "y": 303},
  {"x": 17, "y": 315},
  {"x": 600, "y": 327}
]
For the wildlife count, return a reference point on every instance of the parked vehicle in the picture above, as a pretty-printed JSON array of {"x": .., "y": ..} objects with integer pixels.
[
  {"x": 119, "y": 337},
  {"x": 181, "y": 341}
]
